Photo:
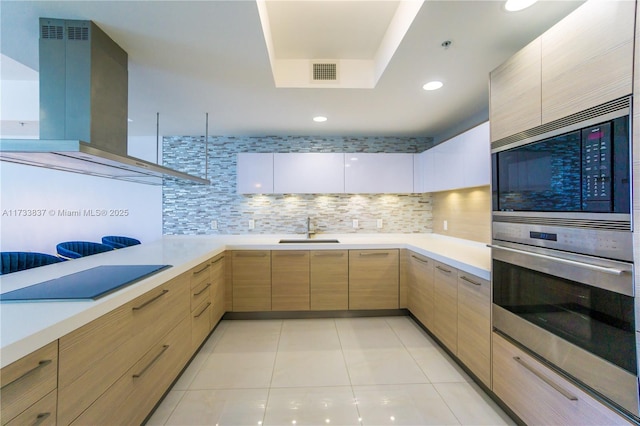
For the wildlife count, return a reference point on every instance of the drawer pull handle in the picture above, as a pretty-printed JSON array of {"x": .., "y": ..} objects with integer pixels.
[
  {"x": 217, "y": 260},
  {"x": 202, "y": 311},
  {"x": 448, "y": 271},
  {"x": 41, "y": 364},
  {"x": 419, "y": 259},
  {"x": 153, "y": 361},
  {"x": 203, "y": 290},
  {"x": 375, "y": 254},
  {"x": 41, "y": 418},
  {"x": 463, "y": 278},
  {"x": 329, "y": 255},
  {"x": 202, "y": 270},
  {"x": 251, "y": 254},
  {"x": 290, "y": 254},
  {"x": 557, "y": 387},
  {"x": 137, "y": 308}
]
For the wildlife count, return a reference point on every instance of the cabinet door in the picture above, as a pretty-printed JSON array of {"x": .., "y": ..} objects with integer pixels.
[
  {"x": 251, "y": 281},
  {"x": 329, "y": 280},
  {"x": 420, "y": 299},
  {"x": 308, "y": 173},
  {"x": 538, "y": 395},
  {"x": 447, "y": 167},
  {"x": 254, "y": 173},
  {"x": 378, "y": 173},
  {"x": 420, "y": 172},
  {"x": 476, "y": 156},
  {"x": 218, "y": 281},
  {"x": 27, "y": 380},
  {"x": 474, "y": 325},
  {"x": 516, "y": 99},
  {"x": 290, "y": 280},
  {"x": 373, "y": 279},
  {"x": 445, "y": 305},
  {"x": 587, "y": 58}
]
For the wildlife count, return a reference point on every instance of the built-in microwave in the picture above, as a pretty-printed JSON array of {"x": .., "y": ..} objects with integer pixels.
[{"x": 579, "y": 169}]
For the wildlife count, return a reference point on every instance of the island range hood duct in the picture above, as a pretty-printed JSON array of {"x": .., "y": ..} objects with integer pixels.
[{"x": 84, "y": 108}]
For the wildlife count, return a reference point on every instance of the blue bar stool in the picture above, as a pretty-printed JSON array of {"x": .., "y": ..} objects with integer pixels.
[
  {"x": 117, "y": 242},
  {"x": 76, "y": 249},
  {"x": 14, "y": 261}
]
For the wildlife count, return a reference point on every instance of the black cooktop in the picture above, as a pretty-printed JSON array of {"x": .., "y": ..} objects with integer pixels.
[{"x": 90, "y": 284}]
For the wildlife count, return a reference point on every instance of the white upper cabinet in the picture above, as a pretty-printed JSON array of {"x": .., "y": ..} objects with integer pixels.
[
  {"x": 378, "y": 173},
  {"x": 308, "y": 173},
  {"x": 476, "y": 156},
  {"x": 461, "y": 162},
  {"x": 254, "y": 173},
  {"x": 419, "y": 172}
]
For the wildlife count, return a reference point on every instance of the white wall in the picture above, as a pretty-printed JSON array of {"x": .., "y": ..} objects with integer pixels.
[{"x": 32, "y": 190}]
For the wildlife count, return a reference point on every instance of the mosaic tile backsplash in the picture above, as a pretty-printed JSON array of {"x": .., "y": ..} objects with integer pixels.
[{"x": 190, "y": 208}]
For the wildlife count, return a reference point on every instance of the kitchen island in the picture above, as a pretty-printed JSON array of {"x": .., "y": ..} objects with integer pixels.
[
  {"x": 72, "y": 362},
  {"x": 28, "y": 326}
]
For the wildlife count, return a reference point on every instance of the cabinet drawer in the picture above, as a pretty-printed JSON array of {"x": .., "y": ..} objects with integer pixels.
[
  {"x": 27, "y": 380},
  {"x": 201, "y": 274},
  {"x": 200, "y": 294},
  {"x": 218, "y": 289},
  {"x": 135, "y": 393},
  {"x": 42, "y": 413},
  {"x": 474, "y": 325},
  {"x": 200, "y": 323},
  {"x": 538, "y": 395},
  {"x": 94, "y": 356}
]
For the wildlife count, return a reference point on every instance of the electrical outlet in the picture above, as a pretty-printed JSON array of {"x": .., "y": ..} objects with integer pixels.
[
  {"x": 214, "y": 224},
  {"x": 379, "y": 223},
  {"x": 445, "y": 225},
  {"x": 252, "y": 224},
  {"x": 355, "y": 223}
]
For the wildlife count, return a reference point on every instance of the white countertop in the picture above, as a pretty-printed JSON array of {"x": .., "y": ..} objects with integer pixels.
[{"x": 27, "y": 326}]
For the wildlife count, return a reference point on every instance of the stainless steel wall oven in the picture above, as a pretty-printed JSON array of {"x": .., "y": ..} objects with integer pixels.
[{"x": 562, "y": 272}]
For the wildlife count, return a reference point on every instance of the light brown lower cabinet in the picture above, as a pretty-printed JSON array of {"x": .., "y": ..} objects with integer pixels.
[
  {"x": 28, "y": 393},
  {"x": 218, "y": 289},
  {"x": 420, "y": 297},
  {"x": 474, "y": 325},
  {"x": 374, "y": 279},
  {"x": 251, "y": 280},
  {"x": 130, "y": 399},
  {"x": 42, "y": 413},
  {"x": 329, "y": 287},
  {"x": 445, "y": 305},
  {"x": 95, "y": 356},
  {"x": 201, "y": 303},
  {"x": 290, "y": 280},
  {"x": 538, "y": 395}
]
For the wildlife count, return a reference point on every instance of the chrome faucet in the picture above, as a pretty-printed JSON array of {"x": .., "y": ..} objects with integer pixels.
[{"x": 309, "y": 232}]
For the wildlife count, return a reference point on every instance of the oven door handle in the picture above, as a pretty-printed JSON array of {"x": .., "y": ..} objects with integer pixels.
[{"x": 611, "y": 271}]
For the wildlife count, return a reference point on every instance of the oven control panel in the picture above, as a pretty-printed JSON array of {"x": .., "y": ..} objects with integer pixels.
[{"x": 601, "y": 243}]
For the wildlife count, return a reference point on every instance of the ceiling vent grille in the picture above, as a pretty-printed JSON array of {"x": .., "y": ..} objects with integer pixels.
[
  {"x": 77, "y": 33},
  {"x": 325, "y": 71},
  {"x": 52, "y": 32}
]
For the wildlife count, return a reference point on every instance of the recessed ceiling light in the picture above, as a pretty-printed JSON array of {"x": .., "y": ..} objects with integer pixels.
[
  {"x": 432, "y": 85},
  {"x": 320, "y": 119},
  {"x": 516, "y": 5}
]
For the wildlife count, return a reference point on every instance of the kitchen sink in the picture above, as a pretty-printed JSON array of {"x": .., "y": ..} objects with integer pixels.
[{"x": 303, "y": 241}]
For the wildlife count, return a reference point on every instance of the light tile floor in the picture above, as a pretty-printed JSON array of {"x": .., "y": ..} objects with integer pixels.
[{"x": 346, "y": 371}]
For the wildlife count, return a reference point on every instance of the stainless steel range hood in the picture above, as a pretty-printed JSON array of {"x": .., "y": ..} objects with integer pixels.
[{"x": 84, "y": 108}]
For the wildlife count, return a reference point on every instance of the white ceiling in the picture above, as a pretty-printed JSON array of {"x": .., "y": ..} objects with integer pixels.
[{"x": 188, "y": 58}]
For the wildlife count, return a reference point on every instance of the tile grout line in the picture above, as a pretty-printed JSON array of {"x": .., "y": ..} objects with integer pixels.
[
  {"x": 273, "y": 372},
  {"x": 346, "y": 366},
  {"x": 424, "y": 373}
]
